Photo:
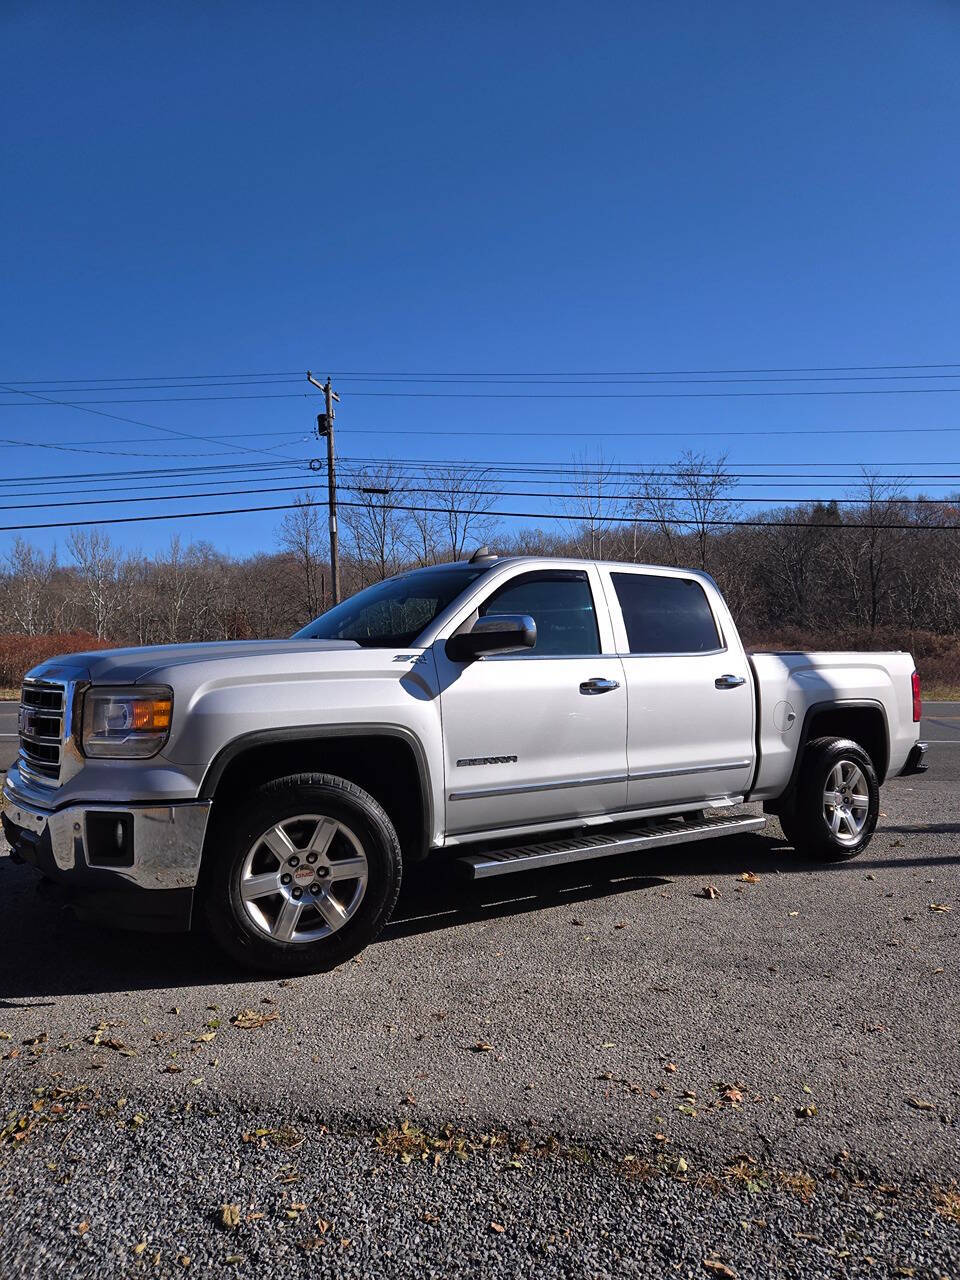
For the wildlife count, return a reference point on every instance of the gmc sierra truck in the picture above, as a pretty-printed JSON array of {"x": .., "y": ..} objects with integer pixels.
[{"x": 509, "y": 713}]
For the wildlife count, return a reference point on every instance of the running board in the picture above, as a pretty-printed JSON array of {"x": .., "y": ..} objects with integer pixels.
[{"x": 578, "y": 848}]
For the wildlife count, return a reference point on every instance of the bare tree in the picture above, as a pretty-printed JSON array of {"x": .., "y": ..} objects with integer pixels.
[
  {"x": 424, "y": 534},
  {"x": 465, "y": 505},
  {"x": 869, "y": 548},
  {"x": 377, "y": 527},
  {"x": 96, "y": 562},
  {"x": 28, "y": 595},
  {"x": 693, "y": 500},
  {"x": 301, "y": 537},
  {"x": 597, "y": 499}
]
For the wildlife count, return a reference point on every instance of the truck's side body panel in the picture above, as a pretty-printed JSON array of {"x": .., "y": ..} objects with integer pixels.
[{"x": 793, "y": 686}]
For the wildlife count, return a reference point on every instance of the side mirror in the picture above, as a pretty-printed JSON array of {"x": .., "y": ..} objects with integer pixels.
[{"x": 494, "y": 633}]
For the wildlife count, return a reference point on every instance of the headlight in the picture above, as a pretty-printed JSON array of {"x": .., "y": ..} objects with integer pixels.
[{"x": 126, "y": 722}]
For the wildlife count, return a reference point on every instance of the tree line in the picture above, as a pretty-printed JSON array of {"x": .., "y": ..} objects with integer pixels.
[{"x": 823, "y": 571}]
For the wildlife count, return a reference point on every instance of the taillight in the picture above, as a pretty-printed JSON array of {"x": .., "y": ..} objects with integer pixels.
[{"x": 917, "y": 703}]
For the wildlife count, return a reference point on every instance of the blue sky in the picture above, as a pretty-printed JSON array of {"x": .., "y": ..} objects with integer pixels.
[{"x": 534, "y": 189}]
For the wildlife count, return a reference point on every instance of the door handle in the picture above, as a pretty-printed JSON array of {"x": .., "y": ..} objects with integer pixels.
[
  {"x": 599, "y": 685},
  {"x": 729, "y": 682}
]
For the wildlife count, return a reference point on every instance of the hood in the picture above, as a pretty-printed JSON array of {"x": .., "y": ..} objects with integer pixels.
[{"x": 128, "y": 666}]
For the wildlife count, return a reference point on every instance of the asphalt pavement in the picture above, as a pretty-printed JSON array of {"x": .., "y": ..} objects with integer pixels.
[{"x": 723, "y": 1057}]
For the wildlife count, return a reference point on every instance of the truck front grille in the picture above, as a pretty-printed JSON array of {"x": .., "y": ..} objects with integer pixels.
[{"x": 42, "y": 713}]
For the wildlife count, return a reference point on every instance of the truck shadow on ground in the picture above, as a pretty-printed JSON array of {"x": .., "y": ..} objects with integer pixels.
[{"x": 46, "y": 953}]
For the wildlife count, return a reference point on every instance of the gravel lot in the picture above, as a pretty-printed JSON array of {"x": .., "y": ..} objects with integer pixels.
[{"x": 626, "y": 1075}]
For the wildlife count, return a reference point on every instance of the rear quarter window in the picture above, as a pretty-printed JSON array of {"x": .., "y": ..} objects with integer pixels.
[{"x": 665, "y": 615}]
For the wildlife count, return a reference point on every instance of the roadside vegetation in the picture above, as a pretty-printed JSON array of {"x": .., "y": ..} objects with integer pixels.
[{"x": 874, "y": 570}]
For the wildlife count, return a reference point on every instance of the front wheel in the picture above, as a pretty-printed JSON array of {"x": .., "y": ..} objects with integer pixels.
[
  {"x": 302, "y": 876},
  {"x": 834, "y": 809}
]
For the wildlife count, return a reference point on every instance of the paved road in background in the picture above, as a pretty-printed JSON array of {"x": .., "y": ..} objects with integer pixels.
[{"x": 941, "y": 727}]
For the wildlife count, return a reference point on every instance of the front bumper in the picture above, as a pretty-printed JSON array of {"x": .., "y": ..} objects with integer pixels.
[
  {"x": 154, "y": 886},
  {"x": 916, "y": 760}
]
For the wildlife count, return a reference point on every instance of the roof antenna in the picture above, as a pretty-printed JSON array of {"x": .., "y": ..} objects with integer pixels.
[{"x": 482, "y": 553}]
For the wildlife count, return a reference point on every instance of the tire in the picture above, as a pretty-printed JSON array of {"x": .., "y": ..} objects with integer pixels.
[
  {"x": 276, "y": 888},
  {"x": 827, "y": 831}
]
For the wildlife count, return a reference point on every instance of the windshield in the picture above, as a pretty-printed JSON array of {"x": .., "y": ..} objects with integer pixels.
[{"x": 391, "y": 614}]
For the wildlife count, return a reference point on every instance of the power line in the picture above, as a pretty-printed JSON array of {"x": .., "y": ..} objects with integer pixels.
[
  {"x": 7, "y": 443},
  {"x": 150, "y": 426},
  {"x": 482, "y": 395},
  {"x": 414, "y": 470},
  {"x": 473, "y": 376},
  {"x": 486, "y": 493},
  {"x": 596, "y": 380},
  {"x": 518, "y": 515}
]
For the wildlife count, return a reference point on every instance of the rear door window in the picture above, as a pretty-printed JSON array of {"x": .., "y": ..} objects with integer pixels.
[{"x": 665, "y": 615}]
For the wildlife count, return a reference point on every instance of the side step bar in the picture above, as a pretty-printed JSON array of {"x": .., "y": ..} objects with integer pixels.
[{"x": 579, "y": 847}]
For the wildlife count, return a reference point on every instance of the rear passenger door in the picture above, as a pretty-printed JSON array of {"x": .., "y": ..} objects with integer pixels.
[{"x": 690, "y": 697}]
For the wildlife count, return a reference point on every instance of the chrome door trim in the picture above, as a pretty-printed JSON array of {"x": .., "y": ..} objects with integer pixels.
[
  {"x": 699, "y": 768},
  {"x": 483, "y": 793}
]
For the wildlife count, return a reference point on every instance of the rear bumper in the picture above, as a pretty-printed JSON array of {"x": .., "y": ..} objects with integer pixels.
[
  {"x": 146, "y": 880},
  {"x": 916, "y": 760}
]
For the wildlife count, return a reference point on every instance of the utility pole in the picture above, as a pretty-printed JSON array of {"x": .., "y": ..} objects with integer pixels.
[{"x": 325, "y": 428}]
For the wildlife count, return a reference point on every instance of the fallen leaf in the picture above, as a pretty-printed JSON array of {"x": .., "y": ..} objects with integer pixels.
[
  {"x": 807, "y": 1113},
  {"x": 719, "y": 1268},
  {"x": 940, "y": 906},
  {"x": 498, "y": 1227},
  {"x": 710, "y": 891},
  {"x": 919, "y": 1104},
  {"x": 248, "y": 1019},
  {"x": 138, "y": 1249},
  {"x": 480, "y": 1047},
  {"x": 793, "y": 913},
  {"x": 230, "y": 1215},
  {"x": 670, "y": 1066},
  {"x": 748, "y": 877},
  {"x": 83, "y": 1228}
]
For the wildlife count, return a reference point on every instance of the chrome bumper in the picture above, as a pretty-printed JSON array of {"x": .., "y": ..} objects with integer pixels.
[{"x": 167, "y": 839}]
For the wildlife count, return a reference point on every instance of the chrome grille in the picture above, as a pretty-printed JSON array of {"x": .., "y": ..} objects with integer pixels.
[{"x": 43, "y": 705}]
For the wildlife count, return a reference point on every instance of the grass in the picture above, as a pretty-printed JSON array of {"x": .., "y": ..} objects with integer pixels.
[{"x": 934, "y": 692}]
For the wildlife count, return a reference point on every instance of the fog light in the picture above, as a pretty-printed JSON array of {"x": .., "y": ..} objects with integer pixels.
[{"x": 109, "y": 839}]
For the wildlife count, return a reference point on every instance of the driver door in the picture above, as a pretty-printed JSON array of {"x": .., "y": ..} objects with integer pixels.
[{"x": 538, "y": 736}]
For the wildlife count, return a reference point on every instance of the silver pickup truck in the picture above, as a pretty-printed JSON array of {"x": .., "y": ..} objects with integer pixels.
[{"x": 508, "y": 713}]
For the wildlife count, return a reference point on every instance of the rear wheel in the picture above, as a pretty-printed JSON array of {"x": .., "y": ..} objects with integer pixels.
[
  {"x": 834, "y": 809},
  {"x": 302, "y": 876}
]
